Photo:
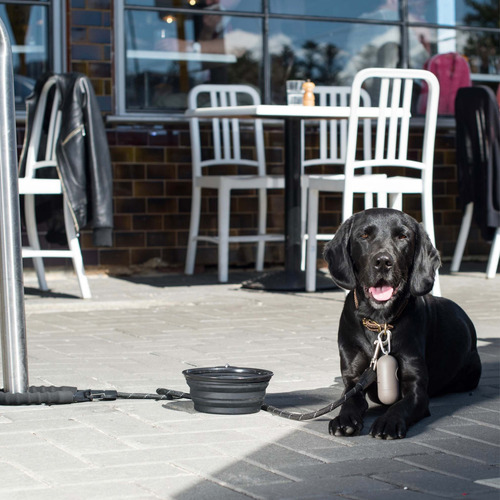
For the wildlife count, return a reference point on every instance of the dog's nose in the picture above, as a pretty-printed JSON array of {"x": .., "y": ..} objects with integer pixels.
[{"x": 383, "y": 261}]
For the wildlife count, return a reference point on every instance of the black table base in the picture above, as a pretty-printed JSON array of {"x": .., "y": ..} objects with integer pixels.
[
  {"x": 281, "y": 281},
  {"x": 291, "y": 279}
]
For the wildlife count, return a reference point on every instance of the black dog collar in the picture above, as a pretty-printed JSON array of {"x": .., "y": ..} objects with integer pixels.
[{"x": 372, "y": 325}]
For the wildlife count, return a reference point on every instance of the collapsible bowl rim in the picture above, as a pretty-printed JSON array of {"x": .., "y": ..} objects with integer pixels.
[{"x": 228, "y": 373}]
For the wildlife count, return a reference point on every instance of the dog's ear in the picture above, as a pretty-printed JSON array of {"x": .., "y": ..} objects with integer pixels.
[
  {"x": 426, "y": 262},
  {"x": 338, "y": 258}
]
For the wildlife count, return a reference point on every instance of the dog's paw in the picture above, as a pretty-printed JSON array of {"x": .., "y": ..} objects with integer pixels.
[
  {"x": 344, "y": 425},
  {"x": 389, "y": 427}
]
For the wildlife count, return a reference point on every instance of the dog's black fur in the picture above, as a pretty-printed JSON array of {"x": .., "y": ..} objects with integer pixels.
[{"x": 433, "y": 339}]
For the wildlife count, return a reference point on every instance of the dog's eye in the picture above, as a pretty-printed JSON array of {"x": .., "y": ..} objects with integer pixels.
[
  {"x": 403, "y": 237},
  {"x": 364, "y": 236}
]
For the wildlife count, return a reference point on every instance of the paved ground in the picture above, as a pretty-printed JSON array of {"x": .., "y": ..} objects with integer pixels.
[{"x": 139, "y": 333}]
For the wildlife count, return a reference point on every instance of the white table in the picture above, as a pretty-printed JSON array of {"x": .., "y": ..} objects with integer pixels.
[{"x": 292, "y": 278}]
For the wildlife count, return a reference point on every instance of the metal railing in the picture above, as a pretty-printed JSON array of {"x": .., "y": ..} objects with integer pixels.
[{"x": 12, "y": 317}]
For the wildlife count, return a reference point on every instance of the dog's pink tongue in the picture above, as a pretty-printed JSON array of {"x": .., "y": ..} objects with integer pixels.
[{"x": 381, "y": 293}]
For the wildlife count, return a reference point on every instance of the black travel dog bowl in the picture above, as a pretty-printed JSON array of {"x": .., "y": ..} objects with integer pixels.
[{"x": 227, "y": 390}]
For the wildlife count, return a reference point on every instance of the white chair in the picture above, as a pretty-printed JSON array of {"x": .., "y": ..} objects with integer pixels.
[
  {"x": 392, "y": 117},
  {"x": 40, "y": 156},
  {"x": 478, "y": 166},
  {"x": 332, "y": 146},
  {"x": 226, "y": 150}
]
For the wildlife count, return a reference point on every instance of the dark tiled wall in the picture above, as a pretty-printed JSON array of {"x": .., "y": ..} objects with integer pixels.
[{"x": 151, "y": 165}]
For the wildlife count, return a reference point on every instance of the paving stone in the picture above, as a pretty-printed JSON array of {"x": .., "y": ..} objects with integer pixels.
[
  {"x": 481, "y": 433},
  {"x": 372, "y": 449},
  {"x": 433, "y": 483},
  {"x": 324, "y": 487},
  {"x": 145, "y": 472},
  {"x": 237, "y": 473},
  {"x": 36, "y": 459},
  {"x": 366, "y": 466},
  {"x": 452, "y": 465},
  {"x": 490, "y": 495},
  {"x": 395, "y": 494},
  {"x": 161, "y": 454},
  {"x": 467, "y": 448},
  {"x": 193, "y": 488},
  {"x": 109, "y": 490},
  {"x": 13, "y": 478}
]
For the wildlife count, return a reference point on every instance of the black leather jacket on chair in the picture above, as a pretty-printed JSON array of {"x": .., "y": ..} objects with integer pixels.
[
  {"x": 478, "y": 155},
  {"x": 82, "y": 154}
]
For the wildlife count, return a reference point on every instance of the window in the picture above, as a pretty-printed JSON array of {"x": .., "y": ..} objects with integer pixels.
[
  {"x": 167, "y": 51},
  {"x": 165, "y": 47},
  {"x": 34, "y": 52}
]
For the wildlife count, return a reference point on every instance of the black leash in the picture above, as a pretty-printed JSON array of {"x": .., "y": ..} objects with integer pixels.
[
  {"x": 66, "y": 395},
  {"x": 368, "y": 377}
]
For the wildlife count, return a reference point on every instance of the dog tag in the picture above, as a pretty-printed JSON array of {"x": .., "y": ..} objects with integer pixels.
[{"x": 387, "y": 379}]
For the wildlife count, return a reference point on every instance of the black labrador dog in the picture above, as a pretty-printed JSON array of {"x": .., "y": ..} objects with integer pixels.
[{"x": 388, "y": 262}]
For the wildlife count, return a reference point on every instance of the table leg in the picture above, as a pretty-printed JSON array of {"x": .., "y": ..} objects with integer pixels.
[
  {"x": 292, "y": 279},
  {"x": 293, "y": 195}
]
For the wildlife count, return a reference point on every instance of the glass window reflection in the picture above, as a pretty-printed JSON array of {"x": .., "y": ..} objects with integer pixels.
[
  {"x": 28, "y": 32},
  {"x": 484, "y": 13},
  {"x": 368, "y": 9},
  {"x": 173, "y": 45},
  {"x": 168, "y": 53},
  {"x": 328, "y": 53},
  {"x": 234, "y": 5},
  {"x": 480, "y": 48}
]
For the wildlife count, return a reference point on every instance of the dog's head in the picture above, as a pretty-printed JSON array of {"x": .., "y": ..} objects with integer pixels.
[{"x": 386, "y": 255}]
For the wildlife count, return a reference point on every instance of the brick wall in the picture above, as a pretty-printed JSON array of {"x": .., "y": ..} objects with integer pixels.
[
  {"x": 152, "y": 196},
  {"x": 152, "y": 171}
]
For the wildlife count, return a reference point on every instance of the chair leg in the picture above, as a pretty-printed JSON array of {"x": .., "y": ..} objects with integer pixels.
[
  {"x": 462, "y": 237},
  {"x": 491, "y": 269},
  {"x": 34, "y": 243},
  {"x": 259, "y": 262},
  {"x": 303, "y": 227},
  {"x": 76, "y": 253},
  {"x": 224, "y": 205},
  {"x": 194, "y": 226},
  {"x": 428, "y": 217},
  {"x": 436, "y": 289},
  {"x": 347, "y": 204},
  {"x": 312, "y": 243},
  {"x": 428, "y": 223}
]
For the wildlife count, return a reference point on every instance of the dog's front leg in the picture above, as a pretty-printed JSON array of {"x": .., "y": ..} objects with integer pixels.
[
  {"x": 349, "y": 422},
  {"x": 413, "y": 406}
]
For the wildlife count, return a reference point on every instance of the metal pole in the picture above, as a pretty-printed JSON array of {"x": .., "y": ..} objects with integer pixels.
[{"x": 12, "y": 318}]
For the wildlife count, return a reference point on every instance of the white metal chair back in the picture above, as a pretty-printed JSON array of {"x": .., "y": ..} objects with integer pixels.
[
  {"x": 226, "y": 148},
  {"x": 332, "y": 145},
  {"x": 41, "y": 154},
  {"x": 38, "y": 154},
  {"x": 333, "y": 133},
  {"x": 392, "y": 115},
  {"x": 226, "y": 136}
]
